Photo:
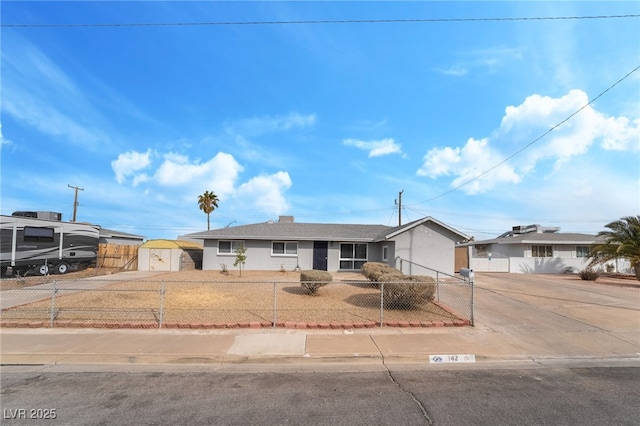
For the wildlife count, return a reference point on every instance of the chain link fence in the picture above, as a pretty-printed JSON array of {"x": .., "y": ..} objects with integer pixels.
[
  {"x": 453, "y": 291},
  {"x": 218, "y": 304}
]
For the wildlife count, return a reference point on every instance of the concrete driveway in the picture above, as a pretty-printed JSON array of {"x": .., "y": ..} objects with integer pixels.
[{"x": 558, "y": 314}]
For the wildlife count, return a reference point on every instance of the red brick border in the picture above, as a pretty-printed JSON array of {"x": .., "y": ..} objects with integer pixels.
[{"x": 296, "y": 325}]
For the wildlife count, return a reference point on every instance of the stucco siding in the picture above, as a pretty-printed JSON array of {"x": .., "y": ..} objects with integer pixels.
[
  {"x": 427, "y": 245},
  {"x": 517, "y": 258}
]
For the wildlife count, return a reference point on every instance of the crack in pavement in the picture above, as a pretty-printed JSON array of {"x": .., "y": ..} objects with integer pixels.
[{"x": 422, "y": 408}]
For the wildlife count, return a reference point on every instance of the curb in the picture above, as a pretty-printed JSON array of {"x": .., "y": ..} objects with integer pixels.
[{"x": 240, "y": 325}]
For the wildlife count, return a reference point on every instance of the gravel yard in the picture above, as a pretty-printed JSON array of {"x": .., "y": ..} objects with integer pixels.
[{"x": 211, "y": 298}]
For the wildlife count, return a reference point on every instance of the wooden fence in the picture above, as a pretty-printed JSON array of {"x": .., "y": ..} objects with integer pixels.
[{"x": 118, "y": 256}]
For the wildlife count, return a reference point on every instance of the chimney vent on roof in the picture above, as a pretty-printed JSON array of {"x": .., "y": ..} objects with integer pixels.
[{"x": 288, "y": 219}]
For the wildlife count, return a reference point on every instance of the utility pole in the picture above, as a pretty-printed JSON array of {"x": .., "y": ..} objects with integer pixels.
[
  {"x": 400, "y": 208},
  {"x": 75, "y": 201}
]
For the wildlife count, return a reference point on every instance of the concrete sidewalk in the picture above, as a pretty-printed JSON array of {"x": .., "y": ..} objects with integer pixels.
[{"x": 96, "y": 346}]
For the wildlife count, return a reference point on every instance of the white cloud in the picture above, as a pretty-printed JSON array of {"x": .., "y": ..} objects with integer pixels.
[
  {"x": 220, "y": 172},
  {"x": 267, "y": 124},
  {"x": 179, "y": 179},
  {"x": 375, "y": 148},
  {"x": 129, "y": 163},
  {"x": 454, "y": 70},
  {"x": 467, "y": 163},
  {"x": 3, "y": 140},
  {"x": 38, "y": 93},
  {"x": 488, "y": 59},
  {"x": 266, "y": 192},
  {"x": 620, "y": 134},
  {"x": 520, "y": 126}
]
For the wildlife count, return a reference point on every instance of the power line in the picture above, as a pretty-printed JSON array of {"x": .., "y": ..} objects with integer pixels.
[
  {"x": 455, "y": 188},
  {"x": 510, "y": 218},
  {"x": 316, "y": 22}
]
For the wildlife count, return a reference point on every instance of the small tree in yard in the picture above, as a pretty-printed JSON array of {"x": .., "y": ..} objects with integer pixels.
[{"x": 241, "y": 257}]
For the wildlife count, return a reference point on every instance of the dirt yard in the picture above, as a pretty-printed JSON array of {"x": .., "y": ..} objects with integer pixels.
[{"x": 211, "y": 297}]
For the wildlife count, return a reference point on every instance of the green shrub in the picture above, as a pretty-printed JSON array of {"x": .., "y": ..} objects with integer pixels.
[
  {"x": 312, "y": 280},
  {"x": 374, "y": 270},
  {"x": 589, "y": 274},
  {"x": 407, "y": 291}
]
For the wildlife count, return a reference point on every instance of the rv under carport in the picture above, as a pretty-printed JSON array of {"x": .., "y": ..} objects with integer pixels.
[{"x": 169, "y": 256}]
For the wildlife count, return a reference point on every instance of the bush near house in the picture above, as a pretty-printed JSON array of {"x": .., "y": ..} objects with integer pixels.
[
  {"x": 312, "y": 280},
  {"x": 589, "y": 274},
  {"x": 408, "y": 291},
  {"x": 374, "y": 270},
  {"x": 400, "y": 291}
]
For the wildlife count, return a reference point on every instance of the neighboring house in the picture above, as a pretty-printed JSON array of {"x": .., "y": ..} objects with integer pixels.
[
  {"x": 536, "y": 249},
  {"x": 169, "y": 255},
  {"x": 286, "y": 244},
  {"x": 109, "y": 236}
]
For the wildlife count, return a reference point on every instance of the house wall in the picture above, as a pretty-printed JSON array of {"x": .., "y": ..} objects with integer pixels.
[
  {"x": 516, "y": 258},
  {"x": 259, "y": 256},
  {"x": 427, "y": 245}
]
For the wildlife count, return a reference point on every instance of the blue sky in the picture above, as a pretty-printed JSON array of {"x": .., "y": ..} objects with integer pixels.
[{"x": 324, "y": 122}]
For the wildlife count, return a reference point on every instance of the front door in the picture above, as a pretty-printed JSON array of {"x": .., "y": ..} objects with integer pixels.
[{"x": 320, "y": 251}]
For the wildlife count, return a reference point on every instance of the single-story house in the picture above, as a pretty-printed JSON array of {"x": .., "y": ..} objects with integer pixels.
[
  {"x": 536, "y": 249},
  {"x": 169, "y": 255},
  {"x": 287, "y": 244}
]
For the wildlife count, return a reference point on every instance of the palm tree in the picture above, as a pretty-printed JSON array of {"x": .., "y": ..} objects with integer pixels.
[
  {"x": 208, "y": 202},
  {"x": 621, "y": 241}
]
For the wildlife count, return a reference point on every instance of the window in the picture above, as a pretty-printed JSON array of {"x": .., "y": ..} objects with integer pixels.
[
  {"x": 352, "y": 256},
  {"x": 229, "y": 247},
  {"x": 284, "y": 248},
  {"x": 541, "y": 251},
  {"x": 582, "y": 251},
  {"x": 481, "y": 251},
  {"x": 33, "y": 234},
  {"x": 385, "y": 253}
]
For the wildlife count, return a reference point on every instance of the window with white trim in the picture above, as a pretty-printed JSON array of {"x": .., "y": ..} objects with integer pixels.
[
  {"x": 229, "y": 247},
  {"x": 284, "y": 248},
  {"x": 541, "y": 251},
  {"x": 385, "y": 253},
  {"x": 352, "y": 255},
  {"x": 582, "y": 251}
]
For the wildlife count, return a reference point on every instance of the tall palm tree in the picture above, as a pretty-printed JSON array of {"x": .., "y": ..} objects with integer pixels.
[
  {"x": 621, "y": 241},
  {"x": 208, "y": 202}
]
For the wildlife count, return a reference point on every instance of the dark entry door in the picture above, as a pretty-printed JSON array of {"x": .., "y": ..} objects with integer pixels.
[{"x": 320, "y": 250}]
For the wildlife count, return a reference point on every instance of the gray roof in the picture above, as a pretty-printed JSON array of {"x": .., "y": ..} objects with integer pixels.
[
  {"x": 110, "y": 233},
  {"x": 295, "y": 231},
  {"x": 287, "y": 230},
  {"x": 542, "y": 238},
  {"x": 400, "y": 229}
]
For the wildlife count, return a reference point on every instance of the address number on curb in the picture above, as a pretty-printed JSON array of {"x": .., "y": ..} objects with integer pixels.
[{"x": 441, "y": 359}]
